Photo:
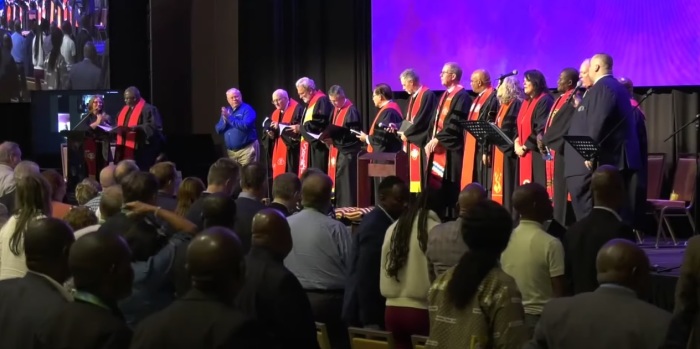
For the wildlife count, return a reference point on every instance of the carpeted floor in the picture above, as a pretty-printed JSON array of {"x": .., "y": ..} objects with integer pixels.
[{"x": 666, "y": 259}]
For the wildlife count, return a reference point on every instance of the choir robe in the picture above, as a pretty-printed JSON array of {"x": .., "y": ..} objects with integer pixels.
[
  {"x": 345, "y": 163},
  {"x": 553, "y": 138},
  {"x": 483, "y": 108},
  {"x": 381, "y": 141},
  {"x": 417, "y": 133},
  {"x": 533, "y": 116},
  {"x": 148, "y": 136},
  {"x": 318, "y": 151},
  {"x": 502, "y": 188},
  {"x": 451, "y": 138},
  {"x": 290, "y": 140}
]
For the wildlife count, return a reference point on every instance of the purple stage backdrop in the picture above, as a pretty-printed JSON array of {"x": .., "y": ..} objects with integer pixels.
[{"x": 654, "y": 43}]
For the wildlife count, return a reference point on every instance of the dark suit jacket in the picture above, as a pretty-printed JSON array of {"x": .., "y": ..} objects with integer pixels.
[
  {"x": 85, "y": 75},
  {"x": 246, "y": 208},
  {"x": 9, "y": 76},
  {"x": 197, "y": 320},
  {"x": 274, "y": 297},
  {"x": 582, "y": 242},
  {"x": 24, "y": 305},
  {"x": 605, "y": 105},
  {"x": 609, "y": 317},
  {"x": 363, "y": 303}
]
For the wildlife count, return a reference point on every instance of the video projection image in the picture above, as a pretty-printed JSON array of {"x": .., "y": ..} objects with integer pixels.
[
  {"x": 54, "y": 44},
  {"x": 654, "y": 43}
]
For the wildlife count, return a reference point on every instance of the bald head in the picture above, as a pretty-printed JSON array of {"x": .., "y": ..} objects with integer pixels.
[
  {"x": 46, "y": 245},
  {"x": 280, "y": 93},
  {"x": 132, "y": 95},
  {"x": 607, "y": 187},
  {"x": 123, "y": 169},
  {"x": 271, "y": 231},
  {"x": 622, "y": 262},
  {"x": 215, "y": 261},
  {"x": 107, "y": 177},
  {"x": 480, "y": 80},
  {"x": 469, "y": 196},
  {"x": 316, "y": 191},
  {"x": 101, "y": 264},
  {"x": 601, "y": 64},
  {"x": 532, "y": 202},
  {"x": 111, "y": 202},
  {"x": 583, "y": 74}
]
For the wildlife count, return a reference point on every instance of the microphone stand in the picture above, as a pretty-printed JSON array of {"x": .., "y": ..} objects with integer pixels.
[
  {"x": 696, "y": 121},
  {"x": 268, "y": 161}
]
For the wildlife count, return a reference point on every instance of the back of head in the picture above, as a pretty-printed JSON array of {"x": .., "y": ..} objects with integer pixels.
[
  {"x": 165, "y": 173},
  {"x": 271, "y": 231},
  {"x": 32, "y": 197},
  {"x": 622, "y": 262},
  {"x": 123, "y": 169},
  {"x": 219, "y": 209},
  {"x": 89, "y": 51},
  {"x": 111, "y": 202},
  {"x": 472, "y": 194},
  {"x": 604, "y": 60},
  {"x": 9, "y": 153},
  {"x": 486, "y": 229},
  {"x": 85, "y": 191},
  {"x": 316, "y": 191},
  {"x": 215, "y": 261},
  {"x": 26, "y": 168},
  {"x": 627, "y": 83},
  {"x": 100, "y": 263},
  {"x": 57, "y": 183},
  {"x": 253, "y": 176},
  {"x": 308, "y": 172},
  {"x": 139, "y": 186},
  {"x": 532, "y": 202},
  {"x": 47, "y": 242},
  {"x": 80, "y": 217},
  {"x": 223, "y": 172},
  {"x": 336, "y": 90},
  {"x": 286, "y": 186},
  {"x": 107, "y": 177},
  {"x": 607, "y": 187}
]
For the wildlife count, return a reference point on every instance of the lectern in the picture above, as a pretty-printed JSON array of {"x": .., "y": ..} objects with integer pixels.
[
  {"x": 85, "y": 154},
  {"x": 371, "y": 165}
]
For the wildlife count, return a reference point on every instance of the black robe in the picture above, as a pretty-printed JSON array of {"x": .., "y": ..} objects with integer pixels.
[
  {"x": 321, "y": 117},
  {"x": 537, "y": 124},
  {"x": 489, "y": 109},
  {"x": 509, "y": 126},
  {"x": 554, "y": 139},
  {"x": 451, "y": 137},
  {"x": 383, "y": 141},
  {"x": 349, "y": 148},
  {"x": 417, "y": 133},
  {"x": 149, "y": 137},
  {"x": 638, "y": 182},
  {"x": 290, "y": 139}
]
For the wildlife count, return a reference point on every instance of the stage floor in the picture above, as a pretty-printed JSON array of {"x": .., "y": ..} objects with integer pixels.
[{"x": 666, "y": 259}]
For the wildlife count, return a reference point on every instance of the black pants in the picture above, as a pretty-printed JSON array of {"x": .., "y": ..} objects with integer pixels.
[
  {"x": 327, "y": 307},
  {"x": 581, "y": 199}
]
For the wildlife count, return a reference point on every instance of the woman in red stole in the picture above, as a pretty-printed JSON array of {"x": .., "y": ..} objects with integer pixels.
[
  {"x": 532, "y": 119},
  {"x": 504, "y": 176}
]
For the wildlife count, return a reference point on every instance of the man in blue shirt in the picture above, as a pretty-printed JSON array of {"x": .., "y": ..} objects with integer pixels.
[
  {"x": 237, "y": 125},
  {"x": 19, "y": 54}
]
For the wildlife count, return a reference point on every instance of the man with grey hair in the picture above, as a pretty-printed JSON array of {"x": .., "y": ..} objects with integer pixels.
[
  {"x": 282, "y": 143},
  {"x": 10, "y": 156},
  {"x": 22, "y": 169},
  {"x": 420, "y": 114},
  {"x": 313, "y": 152},
  {"x": 237, "y": 125},
  {"x": 139, "y": 130}
]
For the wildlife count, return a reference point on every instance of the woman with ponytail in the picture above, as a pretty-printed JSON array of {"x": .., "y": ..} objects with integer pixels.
[
  {"x": 405, "y": 277},
  {"x": 475, "y": 304}
]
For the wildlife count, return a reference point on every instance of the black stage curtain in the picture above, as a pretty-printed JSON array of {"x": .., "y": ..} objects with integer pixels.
[{"x": 130, "y": 45}]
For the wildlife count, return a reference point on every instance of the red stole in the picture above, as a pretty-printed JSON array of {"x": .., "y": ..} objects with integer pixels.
[
  {"x": 279, "y": 152},
  {"x": 498, "y": 159},
  {"x": 549, "y": 165},
  {"x": 414, "y": 163},
  {"x": 437, "y": 168},
  {"x": 468, "y": 159},
  {"x": 524, "y": 131},
  {"x": 304, "y": 145},
  {"x": 390, "y": 105},
  {"x": 338, "y": 120},
  {"x": 129, "y": 142}
]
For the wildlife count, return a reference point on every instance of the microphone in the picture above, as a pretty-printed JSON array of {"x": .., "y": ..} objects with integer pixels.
[{"x": 513, "y": 73}]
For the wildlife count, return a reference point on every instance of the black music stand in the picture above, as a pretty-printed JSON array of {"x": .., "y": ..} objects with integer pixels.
[
  {"x": 485, "y": 131},
  {"x": 583, "y": 145}
]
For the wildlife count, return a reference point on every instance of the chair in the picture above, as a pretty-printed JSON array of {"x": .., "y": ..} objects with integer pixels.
[
  {"x": 361, "y": 338},
  {"x": 682, "y": 198},
  {"x": 324, "y": 341},
  {"x": 418, "y": 341},
  {"x": 655, "y": 175}
]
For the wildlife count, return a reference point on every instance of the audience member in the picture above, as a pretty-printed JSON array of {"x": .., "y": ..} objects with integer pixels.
[
  {"x": 405, "y": 278},
  {"x": 86, "y": 191},
  {"x": 445, "y": 243},
  {"x": 58, "y": 193},
  {"x": 534, "y": 258},
  {"x": 205, "y": 317},
  {"x": 363, "y": 303},
  {"x": 123, "y": 169},
  {"x": 475, "y": 304},
  {"x": 612, "y": 316},
  {"x": 107, "y": 180},
  {"x": 271, "y": 293},
  {"x": 110, "y": 204},
  {"x": 26, "y": 302},
  {"x": 32, "y": 196},
  {"x": 249, "y": 202},
  {"x": 80, "y": 217},
  {"x": 168, "y": 184},
  {"x": 286, "y": 192},
  {"x": 10, "y": 156},
  {"x": 190, "y": 190},
  {"x": 685, "y": 325},
  {"x": 584, "y": 238},
  {"x": 23, "y": 169},
  {"x": 222, "y": 178}
]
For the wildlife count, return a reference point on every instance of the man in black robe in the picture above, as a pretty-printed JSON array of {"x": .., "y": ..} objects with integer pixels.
[
  {"x": 484, "y": 108},
  {"x": 420, "y": 114},
  {"x": 313, "y": 152},
  {"x": 139, "y": 137},
  {"x": 552, "y": 140},
  {"x": 638, "y": 182},
  {"x": 447, "y": 137},
  {"x": 289, "y": 112},
  {"x": 344, "y": 148}
]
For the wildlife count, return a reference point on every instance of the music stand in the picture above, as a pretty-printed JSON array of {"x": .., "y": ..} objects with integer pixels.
[
  {"x": 485, "y": 131},
  {"x": 583, "y": 145}
]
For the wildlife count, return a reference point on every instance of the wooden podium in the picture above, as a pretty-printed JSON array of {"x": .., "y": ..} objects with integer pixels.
[{"x": 371, "y": 165}]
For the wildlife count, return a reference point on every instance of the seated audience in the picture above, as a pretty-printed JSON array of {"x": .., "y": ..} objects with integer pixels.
[
  {"x": 534, "y": 258},
  {"x": 26, "y": 302},
  {"x": 271, "y": 293},
  {"x": 612, "y": 316},
  {"x": 10, "y": 156},
  {"x": 86, "y": 191},
  {"x": 249, "y": 201},
  {"x": 23, "y": 169},
  {"x": 320, "y": 255},
  {"x": 101, "y": 267},
  {"x": 107, "y": 180},
  {"x": 58, "y": 193},
  {"x": 286, "y": 192},
  {"x": 404, "y": 278},
  {"x": 222, "y": 178},
  {"x": 111, "y": 203},
  {"x": 363, "y": 304},
  {"x": 190, "y": 190},
  {"x": 80, "y": 217},
  {"x": 205, "y": 317},
  {"x": 168, "y": 183},
  {"x": 475, "y": 304},
  {"x": 32, "y": 195},
  {"x": 445, "y": 244},
  {"x": 584, "y": 238},
  {"x": 684, "y": 330}
]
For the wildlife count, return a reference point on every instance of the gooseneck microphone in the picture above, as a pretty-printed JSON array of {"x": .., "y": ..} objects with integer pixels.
[{"x": 513, "y": 73}]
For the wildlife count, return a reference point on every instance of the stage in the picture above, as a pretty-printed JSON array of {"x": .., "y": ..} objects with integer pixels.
[{"x": 666, "y": 260}]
